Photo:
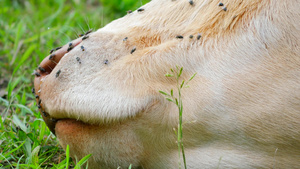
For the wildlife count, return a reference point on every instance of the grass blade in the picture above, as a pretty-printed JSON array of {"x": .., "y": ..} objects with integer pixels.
[
  {"x": 164, "y": 93},
  {"x": 82, "y": 161},
  {"x": 10, "y": 152},
  {"x": 67, "y": 156}
]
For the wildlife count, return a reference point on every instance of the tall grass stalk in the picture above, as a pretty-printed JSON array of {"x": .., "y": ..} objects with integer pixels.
[{"x": 178, "y": 101}]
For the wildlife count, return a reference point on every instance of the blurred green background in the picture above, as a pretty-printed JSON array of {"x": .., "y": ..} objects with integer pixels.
[{"x": 29, "y": 29}]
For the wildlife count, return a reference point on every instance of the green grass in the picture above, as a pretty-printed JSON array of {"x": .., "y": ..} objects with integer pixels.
[
  {"x": 180, "y": 84},
  {"x": 29, "y": 29}
]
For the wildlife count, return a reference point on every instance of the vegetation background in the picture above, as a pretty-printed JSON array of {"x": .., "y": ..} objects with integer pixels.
[{"x": 29, "y": 29}]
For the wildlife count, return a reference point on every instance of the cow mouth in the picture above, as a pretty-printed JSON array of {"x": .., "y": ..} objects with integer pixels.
[{"x": 44, "y": 69}]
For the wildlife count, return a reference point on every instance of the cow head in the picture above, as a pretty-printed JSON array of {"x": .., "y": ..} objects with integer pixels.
[{"x": 99, "y": 93}]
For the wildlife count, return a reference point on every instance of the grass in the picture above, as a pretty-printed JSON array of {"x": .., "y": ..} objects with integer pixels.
[
  {"x": 29, "y": 29},
  {"x": 178, "y": 101}
]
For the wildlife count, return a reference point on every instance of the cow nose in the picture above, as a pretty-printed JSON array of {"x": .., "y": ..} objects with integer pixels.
[{"x": 45, "y": 68}]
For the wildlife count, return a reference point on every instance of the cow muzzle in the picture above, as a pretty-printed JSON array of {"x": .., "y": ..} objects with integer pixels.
[{"x": 45, "y": 68}]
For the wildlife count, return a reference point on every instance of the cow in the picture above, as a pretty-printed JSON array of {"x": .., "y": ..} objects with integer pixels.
[{"x": 99, "y": 94}]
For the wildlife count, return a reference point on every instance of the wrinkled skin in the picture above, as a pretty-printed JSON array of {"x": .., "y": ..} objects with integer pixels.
[{"x": 242, "y": 109}]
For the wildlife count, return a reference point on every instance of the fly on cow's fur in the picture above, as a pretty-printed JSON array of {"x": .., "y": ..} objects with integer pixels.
[
  {"x": 78, "y": 60},
  {"x": 85, "y": 37},
  {"x": 191, "y": 2},
  {"x": 140, "y": 9},
  {"x": 88, "y": 32},
  {"x": 224, "y": 8},
  {"x": 132, "y": 50},
  {"x": 57, "y": 73},
  {"x": 198, "y": 36},
  {"x": 69, "y": 48}
]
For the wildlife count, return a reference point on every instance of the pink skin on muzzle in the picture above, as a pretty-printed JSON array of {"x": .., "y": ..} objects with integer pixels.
[{"x": 44, "y": 69}]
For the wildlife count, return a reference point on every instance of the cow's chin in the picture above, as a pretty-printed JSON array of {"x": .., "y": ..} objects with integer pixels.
[
  {"x": 100, "y": 141},
  {"x": 76, "y": 135},
  {"x": 72, "y": 127},
  {"x": 72, "y": 132}
]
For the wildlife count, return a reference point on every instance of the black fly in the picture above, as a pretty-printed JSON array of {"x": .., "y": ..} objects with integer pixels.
[
  {"x": 132, "y": 50},
  {"x": 85, "y": 37},
  {"x": 141, "y": 10},
  {"x": 57, "y": 73},
  {"x": 198, "y": 36},
  {"x": 78, "y": 60}
]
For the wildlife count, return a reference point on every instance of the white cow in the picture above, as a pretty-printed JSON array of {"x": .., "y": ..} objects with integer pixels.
[{"x": 242, "y": 109}]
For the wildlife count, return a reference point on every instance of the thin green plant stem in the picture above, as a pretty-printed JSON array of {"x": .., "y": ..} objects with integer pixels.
[{"x": 178, "y": 101}]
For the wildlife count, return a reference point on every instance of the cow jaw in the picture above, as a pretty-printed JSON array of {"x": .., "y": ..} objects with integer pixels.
[{"x": 103, "y": 143}]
